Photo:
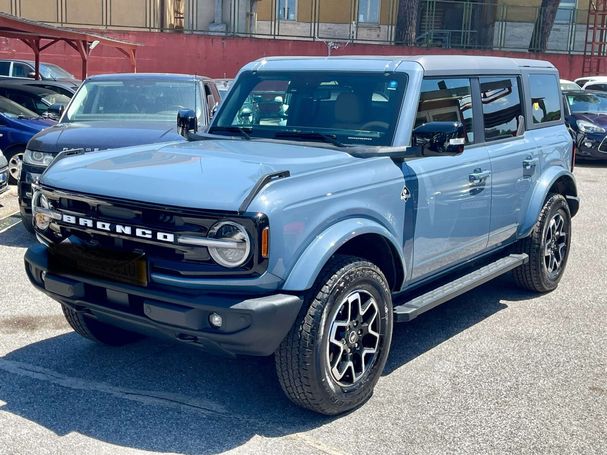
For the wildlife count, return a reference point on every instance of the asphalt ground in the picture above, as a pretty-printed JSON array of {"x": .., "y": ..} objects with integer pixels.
[{"x": 497, "y": 370}]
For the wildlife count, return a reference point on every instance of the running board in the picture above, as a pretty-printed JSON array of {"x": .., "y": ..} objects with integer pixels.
[{"x": 413, "y": 308}]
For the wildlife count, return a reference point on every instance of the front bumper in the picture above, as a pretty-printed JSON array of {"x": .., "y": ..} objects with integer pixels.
[
  {"x": 591, "y": 146},
  {"x": 251, "y": 325}
]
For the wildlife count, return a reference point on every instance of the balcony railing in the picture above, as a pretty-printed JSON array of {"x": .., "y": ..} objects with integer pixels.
[{"x": 441, "y": 23}]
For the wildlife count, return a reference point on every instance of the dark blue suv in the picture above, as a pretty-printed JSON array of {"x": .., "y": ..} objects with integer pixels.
[{"x": 117, "y": 110}]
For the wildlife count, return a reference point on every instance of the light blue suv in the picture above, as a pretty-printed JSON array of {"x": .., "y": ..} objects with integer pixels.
[{"x": 330, "y": 198}]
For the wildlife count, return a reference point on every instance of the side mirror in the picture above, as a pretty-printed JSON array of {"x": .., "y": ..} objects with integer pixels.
[
  {"x": 440, "y": 138},
  {"x": 55, "y": 110},
  {"x": 31, "y": 75},
  {"x": 186, "y": 122}
]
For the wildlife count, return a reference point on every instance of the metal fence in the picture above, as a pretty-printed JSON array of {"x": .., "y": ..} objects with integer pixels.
[{"x": 462, "y": 24}]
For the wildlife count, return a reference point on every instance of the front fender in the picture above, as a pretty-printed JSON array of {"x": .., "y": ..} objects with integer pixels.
[
  {"x": 540, "y": 193},
  {"x": 315, "y": 256}
]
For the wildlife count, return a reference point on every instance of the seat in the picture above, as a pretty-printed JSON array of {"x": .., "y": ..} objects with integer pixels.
[{"x": 348, "y": 111}]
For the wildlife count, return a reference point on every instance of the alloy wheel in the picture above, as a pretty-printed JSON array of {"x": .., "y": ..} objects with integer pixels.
[
  {"x": 354, "y": 336},
  {"x": 555, "y": 244}
]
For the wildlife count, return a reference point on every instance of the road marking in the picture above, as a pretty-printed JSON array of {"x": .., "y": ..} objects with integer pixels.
[
  {"x": 155, "y": 398},
  {"x": 9, "y": 221},
  {"x": 142, "y": 396}
]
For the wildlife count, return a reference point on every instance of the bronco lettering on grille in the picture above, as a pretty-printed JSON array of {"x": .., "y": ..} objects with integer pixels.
[{"x": 132, "y": 231}]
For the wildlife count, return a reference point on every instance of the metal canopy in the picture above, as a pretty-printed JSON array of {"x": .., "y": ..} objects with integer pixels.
[{"x": 40, "y": 36}]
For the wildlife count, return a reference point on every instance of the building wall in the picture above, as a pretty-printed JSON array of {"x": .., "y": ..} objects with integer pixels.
[{"x": 223, "y": 57}]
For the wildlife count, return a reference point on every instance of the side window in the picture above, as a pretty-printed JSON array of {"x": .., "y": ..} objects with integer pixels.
[
  {"x": 446, "y": 100},
  {"x": 502, "y": 109},
  {"x": 5, "y": 68},
  {"x": 21, "y": 70},
  {"x": 545, "y": 98}
]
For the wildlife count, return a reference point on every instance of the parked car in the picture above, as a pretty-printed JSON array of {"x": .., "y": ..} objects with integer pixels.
[
  {"x": 36, "y": 99},
  {"x": 17, "y": 126},
  {"x": 568, "y": 85},
  {"x": 3, "y": 173},
  {"x": 66, "y": 88},
  {"x": 586, "y": 115},
  {"x": 26, "y": 69},
  {"x": 582, "y": 81},
  {"x": 223, "y": 86},
  {"x": 117, "y": 110},
  {"x": 596, "y": 86},
  {"x": 394, "y": 185}
]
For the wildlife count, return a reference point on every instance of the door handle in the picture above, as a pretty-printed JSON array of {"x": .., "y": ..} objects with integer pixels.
[
  {"x": 529, "y": 163},
  {"x": 478, "y": 177}
]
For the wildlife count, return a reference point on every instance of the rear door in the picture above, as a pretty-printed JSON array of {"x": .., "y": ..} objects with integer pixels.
[{"x": 513, "y": 153}]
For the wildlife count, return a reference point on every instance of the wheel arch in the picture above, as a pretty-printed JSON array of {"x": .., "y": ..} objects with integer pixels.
[
  {"x": 554, "y": 180},
  {"x": 358, "y": 237}
]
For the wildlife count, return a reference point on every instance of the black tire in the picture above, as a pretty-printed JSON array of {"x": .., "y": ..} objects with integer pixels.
[
  {"x": 303, "y": 358},
  {"x": 538, "y": 275},
  {"x": 97, "y": 331}
]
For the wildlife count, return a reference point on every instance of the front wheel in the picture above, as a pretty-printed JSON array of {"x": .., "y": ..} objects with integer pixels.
[
  {"x": 547, "y": 247},
  {"x": 98, "y": 331},
  {"x": 336, "y": 351},
  {"x": 15, "y": 160}
]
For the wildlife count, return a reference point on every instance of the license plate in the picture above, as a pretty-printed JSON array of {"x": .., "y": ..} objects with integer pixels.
[{"x": 125, "y": 267}]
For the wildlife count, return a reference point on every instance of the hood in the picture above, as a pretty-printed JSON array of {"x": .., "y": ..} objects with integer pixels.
[
  {"x": 597, "y": 119},
  {"x": 103, "y": 135},
  {"x": 211, "y": 174},
  {"x": 33, "y": 125}
]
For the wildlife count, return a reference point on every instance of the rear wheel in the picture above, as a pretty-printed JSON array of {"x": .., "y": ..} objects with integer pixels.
[
  {"x": 97, "y": 331},
  {"x": 547, "y": 247},
  {"x": 336, "y": 351}
]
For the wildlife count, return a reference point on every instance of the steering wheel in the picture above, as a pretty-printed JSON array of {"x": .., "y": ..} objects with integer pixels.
[{"x": 375, "y": 125}]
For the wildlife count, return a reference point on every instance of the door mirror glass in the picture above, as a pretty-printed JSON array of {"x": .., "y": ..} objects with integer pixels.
[
  {"x": 186, "y": 122},
  {"x": 439, "y": 138}
]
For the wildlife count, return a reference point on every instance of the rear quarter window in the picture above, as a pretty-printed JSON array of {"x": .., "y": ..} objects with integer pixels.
[{"x": 545, "y": 98}]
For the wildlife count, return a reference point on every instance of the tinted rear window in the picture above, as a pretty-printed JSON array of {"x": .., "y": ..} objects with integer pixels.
[{"x": 545, "y": 98}]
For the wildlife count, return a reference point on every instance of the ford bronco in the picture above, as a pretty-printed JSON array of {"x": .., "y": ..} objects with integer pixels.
[{"x": 329, "y": 199}]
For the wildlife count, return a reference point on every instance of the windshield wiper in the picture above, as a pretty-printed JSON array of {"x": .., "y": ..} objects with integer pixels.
[
  {"x": 311, "y": 136},
  {"x": 242, "y": 130}
]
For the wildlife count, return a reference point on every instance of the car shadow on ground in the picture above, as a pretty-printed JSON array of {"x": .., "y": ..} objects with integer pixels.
[
  {"x": 163, "y": 397},
  {"x": 15, "y": 235}
]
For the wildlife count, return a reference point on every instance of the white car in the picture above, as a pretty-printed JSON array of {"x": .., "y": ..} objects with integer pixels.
[
  {"x": 568, "y": 85},
  {"x": 583, "y": 81},
  {"x": 3, "y": 173}
]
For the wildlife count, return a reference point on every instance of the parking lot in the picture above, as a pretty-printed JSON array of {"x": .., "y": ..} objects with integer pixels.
[{"x": 497, "y": 370}]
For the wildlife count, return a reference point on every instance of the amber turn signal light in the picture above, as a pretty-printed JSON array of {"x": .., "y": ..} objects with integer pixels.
[{"x": 265, "y": 242}]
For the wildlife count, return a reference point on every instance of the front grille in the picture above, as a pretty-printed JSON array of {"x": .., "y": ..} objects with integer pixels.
[
  {"x": 167, "y": 258},
  {"x": 603, "y": 146}
]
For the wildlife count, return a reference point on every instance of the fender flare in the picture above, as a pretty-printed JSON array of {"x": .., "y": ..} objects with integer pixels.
[
  {"x": 305, "y": 271},
  {"x": 542, "y": 188}
]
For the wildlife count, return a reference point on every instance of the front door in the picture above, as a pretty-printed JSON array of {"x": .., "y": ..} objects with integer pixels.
[{"x": 452, "y": 194}]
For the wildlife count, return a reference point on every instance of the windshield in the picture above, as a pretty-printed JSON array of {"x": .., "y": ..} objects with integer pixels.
[
  {"x": 586, "y": 102},
  {"x": 344, "y": 108},
  {"x": 134, "y": 99},
  {"x": 48, "y": 71},
  {"x": 13, "y": 110}
]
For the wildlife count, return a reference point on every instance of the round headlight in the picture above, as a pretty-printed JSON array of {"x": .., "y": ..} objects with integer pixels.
[
  {"x": 41, "y": 220},
  {"x": 237, "y": 244}
]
